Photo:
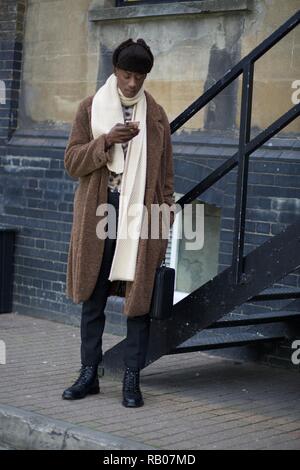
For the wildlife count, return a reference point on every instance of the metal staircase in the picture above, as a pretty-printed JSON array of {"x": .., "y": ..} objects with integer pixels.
[{"x": 205, "y": 319}]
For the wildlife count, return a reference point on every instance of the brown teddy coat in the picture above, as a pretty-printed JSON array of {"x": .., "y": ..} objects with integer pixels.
[{"x": 85, "y": 159}]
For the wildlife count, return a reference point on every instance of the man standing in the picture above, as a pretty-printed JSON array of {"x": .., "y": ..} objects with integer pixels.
[{"x": 120, "y": 149}]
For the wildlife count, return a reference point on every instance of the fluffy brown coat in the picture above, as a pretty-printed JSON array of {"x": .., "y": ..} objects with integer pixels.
[{"x": 85, "y": 159}]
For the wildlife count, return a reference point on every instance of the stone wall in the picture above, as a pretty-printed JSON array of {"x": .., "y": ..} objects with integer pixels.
[{"x": 68, "y": 47}]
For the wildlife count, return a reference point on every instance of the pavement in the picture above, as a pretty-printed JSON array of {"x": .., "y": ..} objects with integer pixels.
[{"x": 192, "y": 401}]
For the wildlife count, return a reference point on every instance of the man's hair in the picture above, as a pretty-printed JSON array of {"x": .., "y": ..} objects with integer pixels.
[{"x": 133, "y": 56}]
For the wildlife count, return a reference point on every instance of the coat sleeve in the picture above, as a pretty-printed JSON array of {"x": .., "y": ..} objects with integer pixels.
[
  {"x": 168, "y": 188},
  {"x": 82, "y": 155}
]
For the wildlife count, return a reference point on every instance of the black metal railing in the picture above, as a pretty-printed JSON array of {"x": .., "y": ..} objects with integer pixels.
[
  {"x": 246, "y": 145},
  {"x": 249, "y": 275}
]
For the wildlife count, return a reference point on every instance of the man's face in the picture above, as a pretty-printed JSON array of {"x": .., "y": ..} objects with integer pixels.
[{"x": 129, "y": 83}]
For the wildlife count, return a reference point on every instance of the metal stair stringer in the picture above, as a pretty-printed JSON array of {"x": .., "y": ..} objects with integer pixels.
[{"x": 265, "y": 265}]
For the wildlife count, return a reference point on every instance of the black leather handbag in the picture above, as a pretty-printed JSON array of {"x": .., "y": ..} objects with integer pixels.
[{"x": 163, "y": 293}]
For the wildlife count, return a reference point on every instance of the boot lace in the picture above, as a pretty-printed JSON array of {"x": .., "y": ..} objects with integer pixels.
[
  {"x": 131, "y": 381},
  {"x": 86, "y": 373}
]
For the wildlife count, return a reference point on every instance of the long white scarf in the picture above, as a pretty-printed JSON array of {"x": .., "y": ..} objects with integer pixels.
[{"x": 106, "y": 112}]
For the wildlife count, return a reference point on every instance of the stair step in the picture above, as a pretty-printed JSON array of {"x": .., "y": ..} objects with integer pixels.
[
  {"x": 265, "y": 266},
  {"x": 238, "y": 319},
  {"x": 210, "y": 340},
  {"x": 277, "y": 294}
]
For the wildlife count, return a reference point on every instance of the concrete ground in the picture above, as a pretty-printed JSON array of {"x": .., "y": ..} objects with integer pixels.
[{"x": 192, "y": 401}]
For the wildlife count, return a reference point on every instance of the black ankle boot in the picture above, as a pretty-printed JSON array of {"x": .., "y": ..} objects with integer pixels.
[
  {"x": 132, "y": 396},
  {"x": 87, "y": 383}
]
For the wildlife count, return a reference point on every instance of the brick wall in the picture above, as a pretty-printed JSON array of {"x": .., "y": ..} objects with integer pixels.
[
  {"x": 273, "y": 193},
  {"x": 37, "y": 195},
  {"x": 12, "y": 15}
]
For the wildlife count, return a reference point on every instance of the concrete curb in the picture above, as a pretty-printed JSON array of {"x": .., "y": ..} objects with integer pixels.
[{"x": 20, "y": 429}]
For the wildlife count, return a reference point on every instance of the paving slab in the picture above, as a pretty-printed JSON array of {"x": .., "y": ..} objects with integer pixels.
[{"x": 192, "y": 401}]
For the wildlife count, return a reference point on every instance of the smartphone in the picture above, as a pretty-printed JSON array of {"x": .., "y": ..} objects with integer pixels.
[{"x": 132, "y": 123}]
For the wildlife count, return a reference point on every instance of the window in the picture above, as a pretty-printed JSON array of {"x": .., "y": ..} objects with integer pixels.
[{"x": 194, "y": 267}]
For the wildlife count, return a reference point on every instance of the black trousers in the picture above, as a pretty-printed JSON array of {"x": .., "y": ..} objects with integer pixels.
[{"x": 93, "y": 317}]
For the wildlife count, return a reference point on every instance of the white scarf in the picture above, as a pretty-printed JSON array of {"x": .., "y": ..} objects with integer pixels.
[{"x": 106, "y": 112}]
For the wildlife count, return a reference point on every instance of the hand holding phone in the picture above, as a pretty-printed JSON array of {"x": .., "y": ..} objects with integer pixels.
[
  {"x": 122, "y": 133},
  {"x": 133, "y": 124}
]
